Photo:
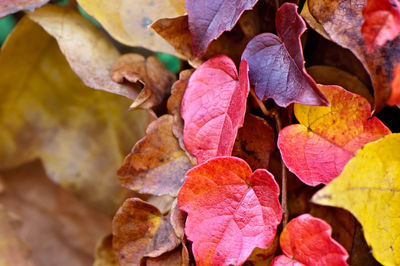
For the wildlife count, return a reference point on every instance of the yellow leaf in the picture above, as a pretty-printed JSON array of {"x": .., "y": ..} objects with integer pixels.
[
  {"x": 88, "y": 51},
  {"x": 128, "y": 20},
  {"x": 46, "y": 112},
  {"x": 369, "y": 187}
]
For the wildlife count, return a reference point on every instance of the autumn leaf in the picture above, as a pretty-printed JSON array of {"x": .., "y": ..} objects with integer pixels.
[
  {"x": 339, "y": 131},
  {"x": 227, "y": 204},
  {"x": 104, "y": 254},
  {"x": 51, "y": 219},
  {"x": 277, "y": 65},
  {"x": 140, "y": 230},
  {"x": 46, "y": 112},
  {"x": 342, "y": 20},
  {"x": 11, "y": 6},
  {"x": 371, "y": 177},
  {"x": 208, "y": 19},
  {"x": 255, "y": 142},
  {"x": 381, "y": 22},
  {"x": 395, "y": 85},
  {"x": 156, "y": 164},
  {"x": 148, "y": 72},
  {"x": 307, "y": 241},
  {"x": 88, "y": 51},
  {"x": 214, "y": 107},
  {"x": 177, "y": 257},
  {"x": 128, "y": 20}
]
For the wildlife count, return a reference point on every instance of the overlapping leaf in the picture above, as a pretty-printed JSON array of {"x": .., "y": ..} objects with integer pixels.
[
  {"x": 369, "y": 188},
  {"x": 140, "y": 230},
  {"x": 227, "y": 204},
  {"x": 342, "y": 20},
  {"x": 214, "y": 107},
  {"x": 339, "y": 131},
  {"x": 12, "y": 6},
  {"x": 81, "y": 135},
  {"x": 156, "y": 164},
  {"x": 128, "y": 20},
  {"x": 381, "y": 22},
  {"x": 307, "y": 241},
  {"x": 149, "y": 72},
  {"x": 277, "y": 64},
  {"x": 88, "y": 51},
  {"x": 208, "y": 19}
]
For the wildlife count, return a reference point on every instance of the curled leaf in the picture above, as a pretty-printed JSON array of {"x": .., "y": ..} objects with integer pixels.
[
  {"x": 156, "y": 164},
  {"x": 148, "y": 72},
  {"x": 339, "y": 131},
  {"x": 372, "y": 177},
  {"x": 227, "y": 204},
  {"x": 277, "y": 65},
  {"x": 214, "y": 107}
]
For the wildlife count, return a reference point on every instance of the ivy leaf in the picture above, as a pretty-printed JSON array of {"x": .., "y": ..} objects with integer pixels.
[
  {"x": 227, "y": 204},
  {"x": 128, "y": 20},
  {"x": 277, "y": 64},
  {"x": 148, "y": 72},
  {"x": 140, "y": 230},
  {"x": 88, "y": 51},
  {"x": 214, "y": 107},
  {"x": 47, "y": 112},
  {"x": 339, "y": 130},
  {"x": 381, "y": 22},
  {"x": 11, "y": 6},
  {"x": 208, "y": 19},
  {"x": 369, "y": 184},
  {"x": 342, "y": 20},
  {"x": 156, "y": 164},
  {"x": 307, "y": 241}
]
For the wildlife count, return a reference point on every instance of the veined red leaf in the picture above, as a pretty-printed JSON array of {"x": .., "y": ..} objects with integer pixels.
[
  {"x": 277, "y": 63},
  {"x": 230, "y": 210},
  {"x": 208, "y": 19},
  {"x": 318, "y": 148},
  {"x": 381, "y": 22},
  {"x": 213, "y": 107},
  {"x": 307, "y": 241}
]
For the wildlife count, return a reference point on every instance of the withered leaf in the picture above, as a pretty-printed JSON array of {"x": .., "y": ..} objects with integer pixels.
[
  {"x": 104, "y": 254},
  {"x": 156, "y": 164},
  {"x": 140, "y": 230},
  {"x": 177, "y": 257},
  {"x": 88, "y": 51},
  {"x": 148, "y": 72},
  {"x": 11, "y": 6}
]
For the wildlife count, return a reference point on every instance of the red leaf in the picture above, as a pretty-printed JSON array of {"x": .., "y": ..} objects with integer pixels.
[
  {"x": 277, "y": 63},
  {"x": 381, "y": 22},
  {"x": 230, "y": 210},
  {"x": 395, "y": 84},
  {"x": 308, "y": 240},
  {"x": 213, "y": 107},
  {"x": 208, "y": 19},
  {"x": 318, "y": 148}
]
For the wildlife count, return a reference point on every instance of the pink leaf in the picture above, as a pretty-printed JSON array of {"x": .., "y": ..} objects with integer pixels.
[
  {"x": 277, "y": 63},
  {"x": 213, "y": 107},
  {"x": 230, "y": 210},
  {"x": 208, "y": 19}
]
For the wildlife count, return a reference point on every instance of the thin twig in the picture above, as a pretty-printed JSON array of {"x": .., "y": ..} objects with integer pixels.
[{"x": 275, "y": 115}]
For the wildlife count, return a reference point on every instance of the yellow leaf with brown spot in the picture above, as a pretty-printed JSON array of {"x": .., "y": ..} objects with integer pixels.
[{"x": 369, "y": 187}]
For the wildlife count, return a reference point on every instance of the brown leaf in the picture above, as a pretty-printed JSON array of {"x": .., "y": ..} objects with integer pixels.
[
  {"x": 255, "y": 142},
  {"x": 329, "y": 75},
  {"x": 11, "y": 6},
  {"x": 177, "y": 220},
  {"x": 177, "y": 257},
  {"x": 156, "y": 164},
  {"x": 176, "y": 32},
  {"x": 128, "y": 20},
  {"x": 342, "y": 20},
  {"x": 59, "y": 228},
  {"x": 139, "y": 230},
  {"x": 150, "y": 73},
  {"x": 88, "y": 51},
  {"x": 174, "y": 108},
  {"x": 13, "y": 250},
  {"x": 104, "y": 254}
]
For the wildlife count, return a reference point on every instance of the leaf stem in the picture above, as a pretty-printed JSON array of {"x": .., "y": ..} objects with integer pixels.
[{"x": 275, "y": 115}]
